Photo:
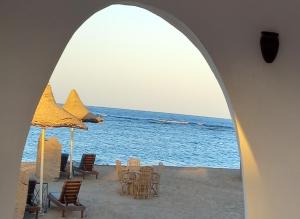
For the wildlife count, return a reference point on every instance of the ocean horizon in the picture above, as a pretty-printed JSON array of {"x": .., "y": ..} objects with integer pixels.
[{"x": 154, "y": 137}]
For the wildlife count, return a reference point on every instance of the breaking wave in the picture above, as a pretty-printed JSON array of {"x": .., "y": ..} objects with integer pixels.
[{"x": 171, "y": 122}]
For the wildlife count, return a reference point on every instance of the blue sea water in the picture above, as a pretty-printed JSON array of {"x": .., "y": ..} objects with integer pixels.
[{"x": 175, "y": 140}]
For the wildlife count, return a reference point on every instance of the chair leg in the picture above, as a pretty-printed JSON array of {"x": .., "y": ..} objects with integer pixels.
[
  {"x": 81, "y": 213},
  {"x": 49, "y": 203},
  {"x": 63, "y": 213},
  {"x": 122, "y": 189},
  {"x": 36, "y": 214}
]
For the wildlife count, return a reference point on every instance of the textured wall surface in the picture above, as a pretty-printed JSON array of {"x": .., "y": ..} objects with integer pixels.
[
  {"x": 21, "y": 196},
  {"x": 22, "y": 187},
  {"x": 263, "y": 98}
]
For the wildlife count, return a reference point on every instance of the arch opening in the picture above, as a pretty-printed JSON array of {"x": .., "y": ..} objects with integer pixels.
[
  {"x": 61, "y": 82},
  {"x": 205, "y": 54}
]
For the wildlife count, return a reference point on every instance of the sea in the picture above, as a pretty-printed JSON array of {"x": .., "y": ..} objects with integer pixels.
[{"x": 153, "y": 137}]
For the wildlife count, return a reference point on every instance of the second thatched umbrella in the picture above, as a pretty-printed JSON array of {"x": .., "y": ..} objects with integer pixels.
[
  {"x": 49, "y": 115},
  {"x": 75, "y": 106}
]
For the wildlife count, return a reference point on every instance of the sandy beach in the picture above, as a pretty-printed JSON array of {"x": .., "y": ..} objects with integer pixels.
[{"x": 185, "y": 193}]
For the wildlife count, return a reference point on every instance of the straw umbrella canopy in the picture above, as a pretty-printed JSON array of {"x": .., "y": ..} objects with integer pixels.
[
  {"x": 49, "y": 115},
  {"x": 75, "y": 106}
]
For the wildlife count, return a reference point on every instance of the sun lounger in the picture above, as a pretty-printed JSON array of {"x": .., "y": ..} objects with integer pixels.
[
  {"x": 86, "y": 166},
  {"x": 63, "y": 164},
  {"x": 68, "y": 198}
]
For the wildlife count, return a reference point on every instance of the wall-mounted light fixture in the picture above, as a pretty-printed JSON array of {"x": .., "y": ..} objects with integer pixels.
[{"x": 269, "y": 44}]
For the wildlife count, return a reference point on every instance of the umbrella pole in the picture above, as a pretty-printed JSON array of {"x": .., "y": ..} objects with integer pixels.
[
  {"x": 42, "y": 169},
  {"x": 71, "y": 152}
]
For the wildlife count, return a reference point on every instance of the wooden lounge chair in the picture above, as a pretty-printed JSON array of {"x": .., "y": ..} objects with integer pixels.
[
  {"x": 68, "y": 198},
  {"x": 86, "y": 166},
  {"x": 63, "y": 165}
]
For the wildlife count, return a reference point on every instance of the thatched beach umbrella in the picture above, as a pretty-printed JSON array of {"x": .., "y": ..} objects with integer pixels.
[
  {"x": 49, "y": 115},
  {"x": 75, "y": 106}
]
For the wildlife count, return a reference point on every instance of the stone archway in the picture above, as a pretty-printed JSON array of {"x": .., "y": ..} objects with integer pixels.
[{"x": 264, "y": 96}]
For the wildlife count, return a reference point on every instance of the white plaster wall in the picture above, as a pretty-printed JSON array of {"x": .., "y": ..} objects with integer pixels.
[{"x": 263, "y": 97}]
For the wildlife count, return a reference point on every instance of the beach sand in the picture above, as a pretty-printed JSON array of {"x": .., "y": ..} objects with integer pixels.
[{"x": 185, "y": 193}]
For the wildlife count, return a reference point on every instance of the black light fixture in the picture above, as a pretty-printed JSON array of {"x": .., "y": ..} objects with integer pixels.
[{"x": 269, "y": 44}]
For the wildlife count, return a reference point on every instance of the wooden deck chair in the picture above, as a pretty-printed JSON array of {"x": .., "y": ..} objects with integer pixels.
[
  {"x": 155, "y": 180},
  {"x": 142, "y": 186},
  {"x": 147, "y": 170},
  {"x": 120, "y": 170},
  {"x": 86, "y": 166},
  {"x": 125, "y": 180},
  {"x": 63, "y": 165},
  {"x": 68, "y": 198}
]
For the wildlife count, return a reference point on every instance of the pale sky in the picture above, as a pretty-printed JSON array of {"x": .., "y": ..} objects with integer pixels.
[{"x": 127, "y": 57}]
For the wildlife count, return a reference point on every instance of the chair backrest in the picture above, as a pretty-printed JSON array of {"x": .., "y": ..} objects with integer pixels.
[
  {"x": 63, "y": 162},
  {"x": 155, "y": 178},
  {"x": 124, "y": 176},
  {"x": 143, "y": 179},
  {"x": 133, "y": 164},
  {"x": 30, "y": 192},
  {"x": 146, "y": 177},
  {"x": 87, "y": 162},
  {"x": 118, "y": 165},
  {"x": 119, "y": 169},
  {"x": 69, "y": 193},
  {"x": 132, "y": 176}
]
